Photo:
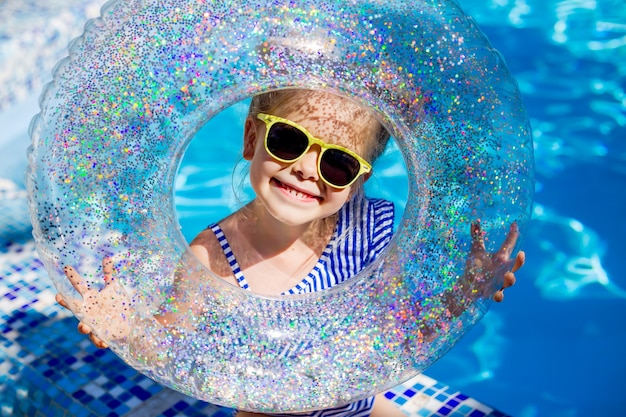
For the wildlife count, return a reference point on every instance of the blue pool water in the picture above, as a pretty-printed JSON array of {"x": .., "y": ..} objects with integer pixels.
[{"x": 555, "y": 346}]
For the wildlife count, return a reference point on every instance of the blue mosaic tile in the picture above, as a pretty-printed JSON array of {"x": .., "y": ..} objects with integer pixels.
[
  {"x": 424, "y": 412},
  {"x": 390, "y": 395},
  {"x": 400, "y": 400},
  {"x": 444, "y": 411},
  {"x": 441, "y": 397},
  {"x": 452, "y": 403},
  {"x": 410, "y": 392}
]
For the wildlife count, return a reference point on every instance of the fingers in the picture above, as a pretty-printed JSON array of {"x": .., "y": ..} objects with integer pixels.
[
  {"x": 501, "y": 257},
  {"x": 76, "y": 280},
  {"x": 100, "y": 344},
  {"x": 59, "y": 299},
  {"x": 70, "y": 303},
  {"x": 509, "y": 242},
  {"x": 478, "y": 237},
  {"x": 107, "y": 269},
  {"x": 79, "y": 284},
  {"x": 520, "y": 259},
  {"x": 509, "y": 280},
  {"x": 83, "y": 328}
]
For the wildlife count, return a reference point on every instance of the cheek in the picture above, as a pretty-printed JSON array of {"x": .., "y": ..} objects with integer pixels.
[
  {"x": 339, "y": 197},
  {"x": 257, "y": 170},
  {"x": 262, "y": 166}
]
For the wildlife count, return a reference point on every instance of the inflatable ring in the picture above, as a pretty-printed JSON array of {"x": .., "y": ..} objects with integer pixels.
[{"x": 142, "y": 80}]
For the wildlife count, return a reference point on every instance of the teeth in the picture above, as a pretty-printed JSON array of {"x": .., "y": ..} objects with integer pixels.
[{"x": 297, "y": 193}]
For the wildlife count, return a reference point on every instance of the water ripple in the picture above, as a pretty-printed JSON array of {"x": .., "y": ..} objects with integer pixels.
[
  {"x": 573, "y": 256},
  {"x": 588, "y": 28}
]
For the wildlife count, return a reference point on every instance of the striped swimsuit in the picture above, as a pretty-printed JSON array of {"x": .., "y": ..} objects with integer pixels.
[{"x": 364, "y": 228}]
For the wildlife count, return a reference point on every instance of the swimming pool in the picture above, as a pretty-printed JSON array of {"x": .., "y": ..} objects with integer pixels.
[{"x": 555, "y": 347}]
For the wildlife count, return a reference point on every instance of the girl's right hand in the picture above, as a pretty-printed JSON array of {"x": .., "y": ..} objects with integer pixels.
[{"x": 107, "y": 309}]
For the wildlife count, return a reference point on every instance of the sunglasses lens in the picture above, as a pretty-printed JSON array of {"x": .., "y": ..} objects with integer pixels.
[
  {"x": 286, "y": 142},
  {"x": 338, "y": 167}
]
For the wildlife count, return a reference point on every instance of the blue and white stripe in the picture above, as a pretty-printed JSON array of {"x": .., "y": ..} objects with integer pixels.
[
  {"x": 230, "y": 256},
  {"x": 361, "y": 408}
]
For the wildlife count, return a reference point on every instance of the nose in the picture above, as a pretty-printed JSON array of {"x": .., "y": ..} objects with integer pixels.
[{"x": 306, "y": 166}]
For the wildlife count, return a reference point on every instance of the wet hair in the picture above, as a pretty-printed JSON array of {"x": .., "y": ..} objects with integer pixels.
[{"x": 270, "y": 101}]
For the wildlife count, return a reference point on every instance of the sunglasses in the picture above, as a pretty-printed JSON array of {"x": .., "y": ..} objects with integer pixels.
[{"x": 287, "y": 141}]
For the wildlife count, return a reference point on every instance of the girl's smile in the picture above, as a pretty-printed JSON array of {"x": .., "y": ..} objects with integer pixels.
[{"x": 295, "y": 192}]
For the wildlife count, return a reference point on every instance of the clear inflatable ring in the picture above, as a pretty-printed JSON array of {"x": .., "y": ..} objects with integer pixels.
[{"x": 145, "y": 77}]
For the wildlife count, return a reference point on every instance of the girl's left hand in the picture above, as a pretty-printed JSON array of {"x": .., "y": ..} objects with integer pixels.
[{"x": 482, "y": 267}]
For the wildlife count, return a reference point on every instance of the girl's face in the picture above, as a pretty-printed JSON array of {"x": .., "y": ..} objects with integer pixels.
[{"x": 293, "y": 193}]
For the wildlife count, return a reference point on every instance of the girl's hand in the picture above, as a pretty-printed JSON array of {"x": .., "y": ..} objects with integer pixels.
[
  {"x": 107, "y": 309},
  {"x": 482, "y": 267}
]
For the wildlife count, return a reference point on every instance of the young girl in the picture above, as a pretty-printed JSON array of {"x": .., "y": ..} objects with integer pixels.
[{"x": 310, "y": 226}]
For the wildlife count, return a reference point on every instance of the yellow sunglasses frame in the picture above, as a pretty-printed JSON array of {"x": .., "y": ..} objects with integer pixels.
[{"x": 270, "y": 120}]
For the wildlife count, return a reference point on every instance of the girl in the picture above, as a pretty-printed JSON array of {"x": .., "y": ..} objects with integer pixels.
[{"x": 310, "y": 226}]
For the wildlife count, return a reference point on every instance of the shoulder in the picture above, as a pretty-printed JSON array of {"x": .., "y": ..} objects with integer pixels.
[
  {"x": 209, "y": 246},
  {"x": 359, "y": 199},
  {"x": 371, "y": 219},
  {"x": 382, "y": 216},
  {"x": 381, "y": 208},
  {"x": 203, "y": 245},
  {"x": 378, "y": 221},
  {"x": 375, "y": 210}
]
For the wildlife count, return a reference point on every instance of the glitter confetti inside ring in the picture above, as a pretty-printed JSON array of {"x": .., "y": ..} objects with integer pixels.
[{"x": 142, "y": 80}]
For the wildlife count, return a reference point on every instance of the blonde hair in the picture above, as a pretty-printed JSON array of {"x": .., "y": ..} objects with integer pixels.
[{"x": 270, "y": 101}]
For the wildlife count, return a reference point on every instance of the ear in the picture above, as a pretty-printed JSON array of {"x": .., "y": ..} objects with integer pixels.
[{"x": 249, "y": 138}]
